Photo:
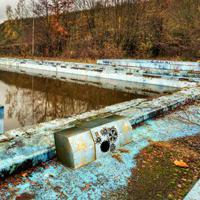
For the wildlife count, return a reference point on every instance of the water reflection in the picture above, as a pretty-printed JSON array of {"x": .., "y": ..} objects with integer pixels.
[{"x": 30, "y": 100}]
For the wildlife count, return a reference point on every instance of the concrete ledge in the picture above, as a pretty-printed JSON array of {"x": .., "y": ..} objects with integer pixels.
[
  {"x": 79, "y": 71},
  {"x": 35, "y": 144},
  {"x": 159, "y": 64}
]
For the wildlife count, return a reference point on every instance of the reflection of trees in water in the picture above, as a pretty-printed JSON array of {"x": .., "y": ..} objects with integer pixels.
[
  {"x": 35, "y": 100},
  {"x": 19, "y": 105}
]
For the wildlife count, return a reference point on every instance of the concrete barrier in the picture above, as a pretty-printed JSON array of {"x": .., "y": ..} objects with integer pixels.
[
  {"x": 87, "y": 72},
  {"x": 90, "y": 140},
  {"x": 1, "y": 119},
  {"x": 158, "y": 64}
]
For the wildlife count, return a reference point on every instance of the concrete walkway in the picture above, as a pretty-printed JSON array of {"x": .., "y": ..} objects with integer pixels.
[{"x": 29, "y": 146}]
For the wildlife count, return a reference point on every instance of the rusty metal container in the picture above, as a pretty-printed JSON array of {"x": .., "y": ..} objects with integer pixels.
[
  {"x": 75, "y": 147},
  {"x": 90, "y": 140}
]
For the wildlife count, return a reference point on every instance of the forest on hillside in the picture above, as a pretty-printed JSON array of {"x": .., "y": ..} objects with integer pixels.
[{"x": 97, "y": 29}]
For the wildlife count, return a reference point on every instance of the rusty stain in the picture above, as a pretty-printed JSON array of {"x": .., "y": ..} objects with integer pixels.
[
  {"x": 121, "y": 150},
  {"x": 117, "y": 157},
  {"x": 81, "y": 146},
  {"x": 152, "y": 76},
  {"x": 126, "y": 128}
]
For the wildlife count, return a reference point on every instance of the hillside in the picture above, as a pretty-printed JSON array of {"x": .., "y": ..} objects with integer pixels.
[{"x": 154, "y": 28}]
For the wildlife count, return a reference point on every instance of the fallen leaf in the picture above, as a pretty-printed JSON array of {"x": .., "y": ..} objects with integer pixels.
[
  {"x": 25, "y": 196},
  {"x": 124, "y": 150},
  {"x": 117, "y": 157},
  {"x": 24, "y": 174},
  {"x": 161, "y": 144},
  {"x": 87, "y": 187},
  {"x": 180, "y": 163}
]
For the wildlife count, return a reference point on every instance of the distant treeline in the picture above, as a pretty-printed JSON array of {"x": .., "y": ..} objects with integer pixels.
[{"x": 109, "y": 29}]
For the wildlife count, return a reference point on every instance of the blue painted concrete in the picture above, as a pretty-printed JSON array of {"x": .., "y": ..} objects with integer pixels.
[
  {"x": 194, "y": 194},
  {"x": 104, "y": 175},
  {"x": 154, "y": 64},
  {"x": 101, "y": 74},
  {"x": 1, "y": 119}
]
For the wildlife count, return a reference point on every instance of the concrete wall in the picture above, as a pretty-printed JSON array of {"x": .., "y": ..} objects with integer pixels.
[
  {"x": 159, "y": 64},
  {"x": 86, "y": 72}
]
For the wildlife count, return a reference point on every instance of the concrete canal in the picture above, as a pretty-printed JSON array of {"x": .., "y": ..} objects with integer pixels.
[{"x": 29, "y": 100}]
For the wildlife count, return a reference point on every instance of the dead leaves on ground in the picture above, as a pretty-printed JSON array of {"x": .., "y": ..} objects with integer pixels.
[
  {"x": 123, "y": 150},
  {"x": 117, "y": 157},
  {"x": 87, "y": 187},
  {"x": 160, "y": 144},
  {"x": 181, "y": 163}
]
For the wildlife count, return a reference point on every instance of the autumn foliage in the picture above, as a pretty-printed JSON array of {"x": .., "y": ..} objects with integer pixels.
[{"x": 111, "y": 29}]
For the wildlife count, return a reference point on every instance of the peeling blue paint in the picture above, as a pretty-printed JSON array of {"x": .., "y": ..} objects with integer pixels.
[
  {"x": 98, "y": 72},
  {"x": 35, "y": 144},
  {"x": 106, "y": 174},
  {"x": 194, "y": 194},
  {"x": 158, "y": 64},
  {"x": 23, "y": 187}
]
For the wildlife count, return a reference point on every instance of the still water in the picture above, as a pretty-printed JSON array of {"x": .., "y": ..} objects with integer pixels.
[{"x": 28, "y": 100}]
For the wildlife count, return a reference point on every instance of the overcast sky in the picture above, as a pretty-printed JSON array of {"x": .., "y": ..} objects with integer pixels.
[{"x": 3, "y": 4}]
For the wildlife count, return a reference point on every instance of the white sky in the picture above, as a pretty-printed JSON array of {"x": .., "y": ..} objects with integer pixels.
[{"x": 3, "y": 4}]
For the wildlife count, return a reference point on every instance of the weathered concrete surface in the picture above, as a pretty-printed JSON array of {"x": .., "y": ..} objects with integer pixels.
[
  {"x": 194, "y": 194},
  {"x": 35, "y": 144},
  {"x": 159, "y": 64},
  {"x": 104, "y": 175},
  {"x": 31, "y": 145},
  {"x": 183, "y": 71},
  {"x": 1, "y": 119},
  {"x": 87, "y": 72}
]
